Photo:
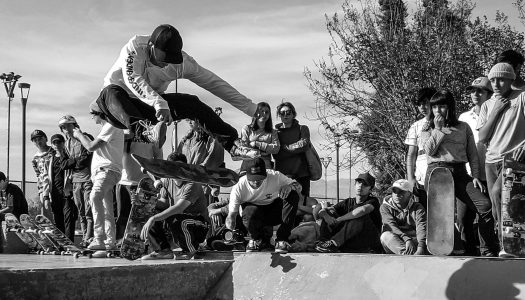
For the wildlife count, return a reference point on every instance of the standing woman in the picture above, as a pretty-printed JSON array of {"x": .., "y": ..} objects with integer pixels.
[
  {"x": 260, "y": 135},
  {"x": 449, "y": 143}
]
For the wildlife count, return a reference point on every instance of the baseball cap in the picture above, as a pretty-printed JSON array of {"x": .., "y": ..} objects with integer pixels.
[
  {"x": 166, "y": 38},
  {"x": 67, "y": 119},
  {"x": 57, "y": 137},
  {"x": 37, "y": 133},
  {"x": 255, "y": 169},
  {"x": 403, "y": 185},
  {"x": 480, "y": 82},
  {"x": 502, "y": 70},
  {"x": 368, "y": 179}
]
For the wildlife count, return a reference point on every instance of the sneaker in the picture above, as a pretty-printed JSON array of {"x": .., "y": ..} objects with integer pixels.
[
  {"x": 184, "y": 255},
  {"x": 253, "y": 246},
  {"x": 326, "y": 247},
  {"x": 162, "y": 254},
  {"x": 111, "y": 246},
  {"x": 282, "y": 247},
  {"x": 96, "y": 245},
  {"x": 244, "y": 153},
  {"x": 155, "y": 134},
  {"x": 505, "y": 254}
]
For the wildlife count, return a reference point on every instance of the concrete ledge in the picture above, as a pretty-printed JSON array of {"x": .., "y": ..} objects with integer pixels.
[{"x": 350, "y": 276}]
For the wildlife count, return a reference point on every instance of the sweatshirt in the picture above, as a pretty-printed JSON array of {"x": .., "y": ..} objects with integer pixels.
[
  {"x": 400, "y": 221},
  {"x": 291, "y": 158}
]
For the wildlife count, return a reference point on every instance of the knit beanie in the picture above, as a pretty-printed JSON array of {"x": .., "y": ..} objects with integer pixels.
[{"x": 502, "y": 70}]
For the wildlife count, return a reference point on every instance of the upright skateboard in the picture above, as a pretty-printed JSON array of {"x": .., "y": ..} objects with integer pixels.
[
  {"x": 142, "y": 208},
  {"x": 48, "y": 245},
  {"x": 512, "y": 221},
  {"x": 440, "y": 216},
  {"x": 196, "y": 173},
  {"x": 13, "y": 225}
]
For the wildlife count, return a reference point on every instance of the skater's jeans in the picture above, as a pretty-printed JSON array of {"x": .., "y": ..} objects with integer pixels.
[
  {"x": 475, "y": 200},
  {"x": 125, "y": 196},
  {"x": 64, "y": 213},
  {"x": 122, "y": 110},
  {"x": 393, "y": 243},
  {"x": 81, "y": 191},
  {"x": 494, "y": 178},
  {"x": 101, "y": 199}
]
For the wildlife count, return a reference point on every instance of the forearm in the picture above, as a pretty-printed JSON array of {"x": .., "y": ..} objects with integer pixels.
[
  {"x": 7, "y": 209},
  {"x": 433, "y": 142},
  {"x": 354, "y": 214},
  {"x": 87, "y": 143},
  {"x": 163, "y": 215},
  {"x": 486, "y": 131},
  {"x": 411, "y": 161}
]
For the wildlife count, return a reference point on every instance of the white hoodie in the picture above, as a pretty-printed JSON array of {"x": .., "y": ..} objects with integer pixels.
[{"x": 134, "y": 72}]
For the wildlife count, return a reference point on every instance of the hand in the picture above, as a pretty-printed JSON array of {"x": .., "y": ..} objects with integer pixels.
[
  {"x": 285, "y": 191},
  {"x": 439, "y": 121},
  {"x": 253, "y": 144},
  {"x": 144, "y": 234},
  {"x": 214, "y": 212},
  {"x": 500, "y": 103},
  {"x": 76, "y": 132},
  {"x": 324, "y": 204},
  {"x": 477, "y": 184},
  {"x": 420, "y": 251},
  {"x": 519, "y": 154},
  {"x": 164, "y": 115},
  {"x": 410, "y": 247},
  {"x": 230, "y": 222}
]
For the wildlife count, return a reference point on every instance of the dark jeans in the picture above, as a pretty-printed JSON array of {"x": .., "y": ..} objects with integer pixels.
[
  {"x": 125, "y": 194},
  {"x": 64, "y": 213},
  {"x": 122, "y": 110},
  {"x": 279, "y": 212},
  {"x": 81, "y": 191},
  {"x": 465, "y": 220},
  {"x": 187, "y": 230},
  {"x": 475, "y": 200},
  {"x": 355, "y": 235}
]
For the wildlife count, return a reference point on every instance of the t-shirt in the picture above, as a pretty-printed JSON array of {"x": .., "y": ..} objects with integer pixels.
[
  {"x": 509, "y": 132},
  {"x": 242, "y": 192},
  {"x": 414, "y": 139},
  {"x": 109, "y": 155},
  {"x": 349, "y": 204},
  {"x": 471, "y": 118},
  {"x": 131, "y": 171},
  {"x": 188, "y": 191}
]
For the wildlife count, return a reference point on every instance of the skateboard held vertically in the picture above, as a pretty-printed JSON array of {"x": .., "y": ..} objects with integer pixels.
[
  {"x": 196, "y": 173},
  {"x": 440, "y": 215},
  {"x": 512, "y": 221},
  {"x": 142, "y": 208},
  {"x": 13, "y": 225}
]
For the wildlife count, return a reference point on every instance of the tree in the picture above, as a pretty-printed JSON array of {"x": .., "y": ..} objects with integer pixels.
[{"x": 380, "y": 56}]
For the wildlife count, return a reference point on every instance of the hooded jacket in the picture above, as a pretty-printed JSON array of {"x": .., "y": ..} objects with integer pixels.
[{"x": 402, "y": 221}]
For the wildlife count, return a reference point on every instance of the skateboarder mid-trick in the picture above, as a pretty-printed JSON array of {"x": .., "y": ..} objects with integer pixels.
[{"x": 134, "y": 95}]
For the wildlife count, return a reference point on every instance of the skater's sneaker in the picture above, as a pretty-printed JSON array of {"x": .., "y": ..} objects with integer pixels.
[
  {"x": 162, "y": 254},
  {"x": 253, "y": 246},
  {"x": 239, "y": 152},
  {"x": 282, "y": 247},
  {"x": 504, "y": 254},
  {"x": 326, "y": 247},
  {"x": 96, "y": 245},
  {"x": 154, "y": 134},
  {"x": 184, "y": 255}
]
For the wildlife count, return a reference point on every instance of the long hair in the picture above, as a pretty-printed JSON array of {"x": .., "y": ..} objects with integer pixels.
[
  {"x": 269, "y": 124},
  {"x": 444, "y": 97}
]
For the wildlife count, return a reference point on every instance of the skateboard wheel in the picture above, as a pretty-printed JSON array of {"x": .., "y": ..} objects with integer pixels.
[
  {"x": 109, "y": 255},
  {"x": 508, "y": 172},
  {"x": 62, "y": 253}
]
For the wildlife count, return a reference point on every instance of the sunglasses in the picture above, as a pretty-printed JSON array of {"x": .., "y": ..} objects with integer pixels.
[{"x": 285, "y": 113}]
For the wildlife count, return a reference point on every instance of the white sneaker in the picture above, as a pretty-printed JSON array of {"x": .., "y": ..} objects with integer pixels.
[
  {"x": 282, "y": 247},
  {"x": 155, "y": 134},
  {"x": 96, "y": 245},
  {"x": 163, "y": 254},
  {"x": 504, "y": 254}
]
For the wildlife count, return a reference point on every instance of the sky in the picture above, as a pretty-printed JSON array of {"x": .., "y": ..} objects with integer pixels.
[{"x": 65, "y": 48}]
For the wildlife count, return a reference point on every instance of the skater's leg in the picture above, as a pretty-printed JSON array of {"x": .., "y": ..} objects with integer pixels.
[
  {"x": 125, "y": 193},
  {"x": 70, "y": 217},
  {"x": 87, "y": 186},
  {"x": 57, "y": 205}
]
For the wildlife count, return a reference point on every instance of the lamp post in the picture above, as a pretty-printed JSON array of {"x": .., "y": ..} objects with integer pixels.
[
  {"x": 337, "y": 146},
  {"x": 9, "y": 80},
  {"x": 351, "y": 132},
  {"x": 24, "y": 94},
  {"x": 325, "y": 161}
]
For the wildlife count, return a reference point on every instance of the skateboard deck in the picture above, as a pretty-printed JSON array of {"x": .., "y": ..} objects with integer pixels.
[
  {"x": 196, "y": 173},
  {"x": 12, "y": 224},
  {"x": 36, "y": 232},
  {"x": 513, "y": 207},
  {"x": 440, "y": 216},
  {"x": 65, "y": 244},
  {"x": 133, "y": 247}
]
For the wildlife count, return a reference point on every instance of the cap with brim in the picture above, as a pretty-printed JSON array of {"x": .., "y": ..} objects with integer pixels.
[
  {"x": 57, "y": 137},
  {"x": 256, "y": 169},
  {"x": 67, "y": 119},
  {"x": 37, "y": 133},
  {"x": 166, "y": 38},
  {"x": 403, "y": 185},
  {"x": 368, "y": 179},
  {"x": 480, "y": 83}
]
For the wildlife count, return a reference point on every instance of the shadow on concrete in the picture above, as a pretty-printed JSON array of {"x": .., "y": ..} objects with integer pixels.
[
  {"x": 487, "y": 279},
  {"x": 286, "y": 262}
]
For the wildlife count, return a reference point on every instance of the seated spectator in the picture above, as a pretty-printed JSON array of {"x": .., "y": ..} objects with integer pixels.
[
  {"x": 12, "y": 199},
  {"x": 267, "y": 197},
  {"x": 183, "y": 211},
  {"x": 353, "y": 224},
  {"x": 404, "y": 221}
]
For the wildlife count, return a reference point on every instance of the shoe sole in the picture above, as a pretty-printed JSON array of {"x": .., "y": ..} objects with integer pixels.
[{"x": 280, "y": 251}]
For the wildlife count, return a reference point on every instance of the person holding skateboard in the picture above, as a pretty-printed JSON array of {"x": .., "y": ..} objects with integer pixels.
[
  {"x": 134, "y": 94},
  {"x": 183, "y": 211},
  {"x": 106, "y": 169},
  {"x": 450, "y": 144}
]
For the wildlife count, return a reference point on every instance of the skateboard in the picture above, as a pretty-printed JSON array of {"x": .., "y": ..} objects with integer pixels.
[
  {"x": 512, "y": 221},
  {"x": 48, "y": 245},
  {"x": 196, "y": 173},
  {"x": 13, "y": 225},
  {"x": 440, "y": 216},
  {"x": 226, "y": 240},
  {"x": 142, "y": 208}
]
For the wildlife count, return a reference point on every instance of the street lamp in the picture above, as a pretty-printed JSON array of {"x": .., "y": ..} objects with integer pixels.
[
  {"x": 325, "y": 161},
  {"x": 24, "y": 94},
  {"x": 351, "y": 132},
  {"x": 9, "y": 80}
]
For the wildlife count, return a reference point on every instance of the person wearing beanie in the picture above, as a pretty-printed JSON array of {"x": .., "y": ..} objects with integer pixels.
[
  {"x": 500, "y": 124},
  {"x": 449, "y": 143},
  {"x": 404, "y": 221},
  {"x": 135, "y": 90},
  {"x": 80, "y": 175},
  {"x": 516, "y": 60}
]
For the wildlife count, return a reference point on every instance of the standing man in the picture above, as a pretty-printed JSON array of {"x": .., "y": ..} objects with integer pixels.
[
  {"x": 40, "y": 164},
  {"x": 134, "y": 95},
  {"x": 80, "y": 176}
]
